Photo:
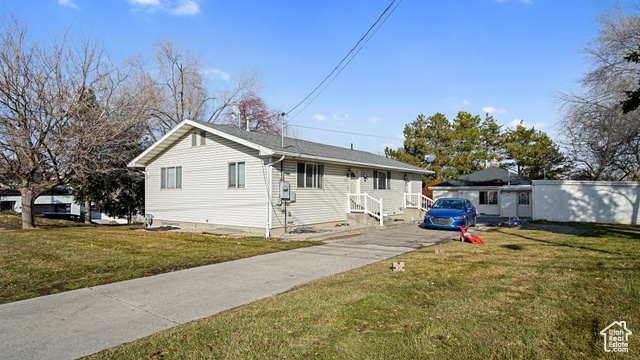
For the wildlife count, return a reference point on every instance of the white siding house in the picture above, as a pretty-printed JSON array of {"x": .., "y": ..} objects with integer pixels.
[
  {"x": 494, "y": 191},
  {"x": 613, "y": 202},
  {"x": 201, "y": 175}
]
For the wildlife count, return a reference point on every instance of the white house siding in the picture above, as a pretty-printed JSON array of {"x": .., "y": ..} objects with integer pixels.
[
  {"x": 312, "y": 206},
  {"x": 508, "y": 203},
  {"x": 393, "y": 198},
  {"x": 471, "y": 195},
  {"x": 416, "y": 184},
  {"x": 439, "y": 194},
  {"x": 205, "y": 196},
  {"x": 589, "y": 201}
]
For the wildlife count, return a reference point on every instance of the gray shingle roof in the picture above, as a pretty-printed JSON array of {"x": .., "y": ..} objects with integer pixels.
[
  {"x": 313, "y": 149},
  {"x": 493, "y": 176}
]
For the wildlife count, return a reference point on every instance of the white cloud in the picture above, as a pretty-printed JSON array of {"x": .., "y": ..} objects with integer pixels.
[
  {"x": 515, "y": 122},
  {"x": 400, "y": 136},
  {"x": 217, "y": 72},
  {"x": 187, "y": 7},
  {"x": 465, "y": 102},
  {"x": 68, "y": 3},
  {"x": 340, "y": 118},
  {"x": 175, "y": 7},
  {"x": 319, "y": 117},
  {"x": 374, "y": 119},
  {"x": 491, "y": 109}
]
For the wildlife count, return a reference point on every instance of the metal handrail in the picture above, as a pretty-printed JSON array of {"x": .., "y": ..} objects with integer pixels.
[{"x": 417, "y": 201}]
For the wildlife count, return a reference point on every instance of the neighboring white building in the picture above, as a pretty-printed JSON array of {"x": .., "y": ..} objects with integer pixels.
[
  {"x": 200, "y": 175},
  {"x": 609, "y": 202},
  {"x": 58, "y": 200},
  {"x": 494, "y": 191}
]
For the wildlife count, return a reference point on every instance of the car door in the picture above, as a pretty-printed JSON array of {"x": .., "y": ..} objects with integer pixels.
[{"x": 471, "y": 214}]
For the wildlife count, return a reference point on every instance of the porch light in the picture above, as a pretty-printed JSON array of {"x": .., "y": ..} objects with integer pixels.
[
  {"x": 365, "y": 176},
  {"x": 406, "y": 177},
  {"x": 349, "y": 173}
]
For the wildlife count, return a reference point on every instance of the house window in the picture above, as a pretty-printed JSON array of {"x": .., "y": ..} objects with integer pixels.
[
  {"x": 194, "y": 139},
  {"x": 236, "y": 175},
  {"x": 381, "y": 180},
  {"x": 171, "y": 177},
  {"x": 523, "y": 198},
  {"x": 488, "y": 197},
  {"x": 310, "y": 176}
]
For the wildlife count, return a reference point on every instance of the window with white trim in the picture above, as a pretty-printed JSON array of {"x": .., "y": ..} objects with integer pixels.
[
  {"x": 381, "y": 180},
  {"x": 236, "y": 175},
  {"x": 171, "y": 177},
  {"x": 488, "y": 197},
  {"x": 310, "y": 176}
]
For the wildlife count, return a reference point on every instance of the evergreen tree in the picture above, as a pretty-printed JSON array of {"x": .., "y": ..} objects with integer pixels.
[
  {"x": 534, "y": 154},
  {"x": 469, "y": 155},
  {"x": 424, "y": 136}
]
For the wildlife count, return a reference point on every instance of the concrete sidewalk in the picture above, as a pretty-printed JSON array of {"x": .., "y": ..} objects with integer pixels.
[{"x": 82, "y": 322}]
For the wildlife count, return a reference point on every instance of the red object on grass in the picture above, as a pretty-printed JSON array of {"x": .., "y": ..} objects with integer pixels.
[{"x": 471, "y": 238}]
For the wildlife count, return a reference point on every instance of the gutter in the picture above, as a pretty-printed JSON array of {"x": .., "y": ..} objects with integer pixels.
[{"x": 347, "y": 162}]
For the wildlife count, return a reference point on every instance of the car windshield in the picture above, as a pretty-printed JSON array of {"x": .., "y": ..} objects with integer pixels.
[{"x": 449, "y": 204}]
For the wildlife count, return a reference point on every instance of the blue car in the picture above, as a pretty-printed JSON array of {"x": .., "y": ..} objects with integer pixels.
[{"x": 451, "y": 213}]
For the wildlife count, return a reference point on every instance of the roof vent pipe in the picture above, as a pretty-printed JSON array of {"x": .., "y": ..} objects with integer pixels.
[{"x": 351, "y": 146}]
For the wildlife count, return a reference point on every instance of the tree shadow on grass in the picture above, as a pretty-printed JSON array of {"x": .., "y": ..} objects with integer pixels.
[{"x": 573, "y": 246}]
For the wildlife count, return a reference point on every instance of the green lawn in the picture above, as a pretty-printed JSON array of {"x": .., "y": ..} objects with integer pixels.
[
  {"x": 541, "y": 293},
  {"x": 41, "y": 262},
  {"x": 10, "y": 220}
]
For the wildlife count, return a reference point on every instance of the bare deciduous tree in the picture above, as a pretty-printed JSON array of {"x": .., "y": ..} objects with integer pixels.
[
  {"x": 177, "y": 85},
  {"x": 65, "y": 111},
  {"x": 599, "y": 137},
  {"x": 260, "y": 117}
]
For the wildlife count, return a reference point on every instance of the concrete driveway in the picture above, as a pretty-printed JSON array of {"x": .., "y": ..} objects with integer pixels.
[
  {"x": 408, "y": 236},
  {"x": 81, "y": 322}
]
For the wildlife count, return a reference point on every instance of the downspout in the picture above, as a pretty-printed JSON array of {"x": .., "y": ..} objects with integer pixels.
[{"x": 269, "y": 217}]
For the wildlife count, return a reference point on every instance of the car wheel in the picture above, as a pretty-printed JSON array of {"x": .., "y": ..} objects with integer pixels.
[{"x": 475, "y": 221}]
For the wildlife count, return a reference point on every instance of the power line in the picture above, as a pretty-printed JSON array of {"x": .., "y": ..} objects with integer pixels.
[
  {"x": 345, "y": 132},
  {"x": 343, "y": 59},
  {"x": 345, "y": 65}
]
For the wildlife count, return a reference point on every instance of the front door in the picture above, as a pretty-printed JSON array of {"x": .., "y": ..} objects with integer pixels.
[
  {"x": 354, "y": 182},
  {"x": 524, "y": 204}
]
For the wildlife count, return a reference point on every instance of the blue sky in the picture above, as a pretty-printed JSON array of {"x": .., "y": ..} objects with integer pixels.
[{"x": 506, "y": 57}]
